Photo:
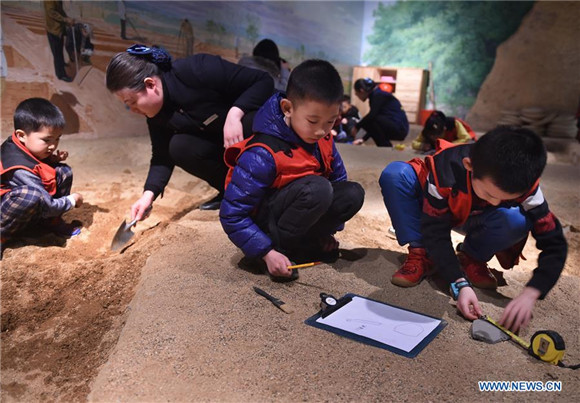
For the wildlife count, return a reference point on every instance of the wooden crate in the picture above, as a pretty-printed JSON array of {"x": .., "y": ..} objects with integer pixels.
[{"x": 410, "y": 88}]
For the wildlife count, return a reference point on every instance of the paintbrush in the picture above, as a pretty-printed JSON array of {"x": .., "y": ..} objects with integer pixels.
[{"x": 279, "y": 303}]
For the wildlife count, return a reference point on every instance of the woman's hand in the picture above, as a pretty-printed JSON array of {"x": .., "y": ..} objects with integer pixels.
[
  {"x": 277, "y": 264},
  {"x": 233, "y": 129},
  {"x": 358, "y": 142},
  {"x": 518, "y": 312},
  {"x": 141, "y": 208}
]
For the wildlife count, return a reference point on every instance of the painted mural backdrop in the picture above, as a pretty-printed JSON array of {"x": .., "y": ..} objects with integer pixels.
[
  {"x": 459, "y": 38},
  {"x": 302, "y": 29}
]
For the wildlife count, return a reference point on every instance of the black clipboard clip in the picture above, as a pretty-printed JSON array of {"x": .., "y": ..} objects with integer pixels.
[{"x": 329, "y": 304}]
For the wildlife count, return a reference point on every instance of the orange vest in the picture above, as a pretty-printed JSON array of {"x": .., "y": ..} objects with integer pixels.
[
  {"x": 16, "y": 156},
  {"x": 451, "y": 135},
  {"x": 459, "y": 203},
  {"x": 292, "y": 161}
]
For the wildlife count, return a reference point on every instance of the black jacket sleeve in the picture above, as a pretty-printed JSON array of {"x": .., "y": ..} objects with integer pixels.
[
  {"x": 161, "y": 166},
  {"x": 243, "y": 87}
]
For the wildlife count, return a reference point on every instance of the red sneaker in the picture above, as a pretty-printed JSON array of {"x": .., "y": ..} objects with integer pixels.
[
  {"x": 414, "y": 269},
  {"x": 511, "y": 256},
  {"x": 477, "y": 272}
]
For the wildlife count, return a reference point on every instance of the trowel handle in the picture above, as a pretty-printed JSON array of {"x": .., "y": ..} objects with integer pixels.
[
  {"x": 131, "y": 223},
  {"x": 147, "y": 211}
]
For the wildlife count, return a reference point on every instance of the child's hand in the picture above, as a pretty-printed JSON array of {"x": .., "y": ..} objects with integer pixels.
[
  {"x": 357, "y": 142},
  {"x": 518, "y": 312},
  {"x": 333, "y": 132},
  {"x": 59, "y": 156},
  {"x": 78, "y": 199},
  {"x": 277, "y": 264},
  {"x": 468, "y": 304},
  {"x": 344, "y": 121}
]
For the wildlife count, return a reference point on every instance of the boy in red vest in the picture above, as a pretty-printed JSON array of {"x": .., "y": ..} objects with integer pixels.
[
  {"x": 490, "y": 190},
  {"x": 439, "y": 126},
  {"x": 286, "y": 189},
  {"x": 35, "y": 186}
]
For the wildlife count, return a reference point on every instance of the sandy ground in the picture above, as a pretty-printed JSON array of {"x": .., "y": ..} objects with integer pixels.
[{"x": 174, "y": 317}]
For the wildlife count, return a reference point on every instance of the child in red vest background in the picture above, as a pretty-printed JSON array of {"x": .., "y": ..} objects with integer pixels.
[
  {"x": 490, "y": 190},
  {"x": 439, "y": 126},
  {"x": 286, "y": 190},
  {"x": 35, "y": 186}
]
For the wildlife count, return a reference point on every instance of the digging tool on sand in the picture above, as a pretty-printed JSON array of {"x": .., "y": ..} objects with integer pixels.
[
  {"x": 124, "y": 233},
  {"x": 277, "y": 302}
]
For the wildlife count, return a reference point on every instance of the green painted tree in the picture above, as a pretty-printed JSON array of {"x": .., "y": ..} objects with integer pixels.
[{"x": 459, "y": 38}]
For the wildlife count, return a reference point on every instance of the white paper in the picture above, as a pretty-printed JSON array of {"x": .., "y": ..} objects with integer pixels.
[{"x": 387, "y": 324}]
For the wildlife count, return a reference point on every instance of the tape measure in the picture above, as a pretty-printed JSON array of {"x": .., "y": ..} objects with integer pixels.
[{"x": 545, "y": 345}]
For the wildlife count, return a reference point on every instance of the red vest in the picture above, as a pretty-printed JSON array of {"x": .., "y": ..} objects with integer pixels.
[
  {"x": 292, "y": 162},
  {"x": 451, "y": 135},
  {"x": 460, "y": 203},
  {"x": 16, "y": 156}
]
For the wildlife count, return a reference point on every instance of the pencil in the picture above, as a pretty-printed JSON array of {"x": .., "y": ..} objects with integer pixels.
[{"x": 301, "y": 266}]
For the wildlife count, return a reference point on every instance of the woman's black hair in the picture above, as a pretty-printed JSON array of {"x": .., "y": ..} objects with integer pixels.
[
  {"x": 129, "y": 69},
  {"x": 365, "y": 84},
  {"x": 268, "y": 49}
]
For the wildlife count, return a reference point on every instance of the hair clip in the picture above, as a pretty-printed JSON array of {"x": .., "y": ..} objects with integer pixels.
[{"x": 139, "y": 50}]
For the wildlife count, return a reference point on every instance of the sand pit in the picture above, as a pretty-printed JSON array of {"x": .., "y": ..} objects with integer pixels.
[{"x": 175, "y": 318}]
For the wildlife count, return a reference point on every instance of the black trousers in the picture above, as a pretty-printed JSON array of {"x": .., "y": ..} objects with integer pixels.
[
  {"x": 203, "y": 156},
  {"x": 56, "y": 47},
  {"x": 382, "y": 131},
  {"x": 305, "y": 210}
]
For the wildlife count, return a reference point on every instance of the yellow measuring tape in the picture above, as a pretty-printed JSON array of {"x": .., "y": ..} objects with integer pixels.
[{"x": 545, "y": 345}]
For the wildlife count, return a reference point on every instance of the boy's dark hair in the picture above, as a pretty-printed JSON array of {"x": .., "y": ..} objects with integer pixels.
[
  {"x": 512, "y": 157},
  {"x": 129, "y": 69},
  {"x": 315, "y": 80},
  {"x": 34, "y": 113},
  {"x": 346, "y": 98}
]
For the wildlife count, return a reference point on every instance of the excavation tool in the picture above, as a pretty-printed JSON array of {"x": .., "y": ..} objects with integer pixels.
[
  {"x": 545, "y": 345},
  {"x": 124, "y": 233},
  {"x": 278, "y": 303}
]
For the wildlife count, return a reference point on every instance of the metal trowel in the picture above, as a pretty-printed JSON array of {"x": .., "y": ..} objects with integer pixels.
[{"x": 123, "y": 235}]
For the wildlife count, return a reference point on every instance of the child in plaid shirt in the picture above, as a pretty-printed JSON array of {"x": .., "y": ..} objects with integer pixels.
[{"x": 35, "y": 186}]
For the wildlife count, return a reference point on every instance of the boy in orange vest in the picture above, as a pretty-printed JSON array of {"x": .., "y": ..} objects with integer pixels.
[
  {"x": 35, "y": 186},
  {"x": 490, "y": 190},
  {"x": 286, "y": 189}
]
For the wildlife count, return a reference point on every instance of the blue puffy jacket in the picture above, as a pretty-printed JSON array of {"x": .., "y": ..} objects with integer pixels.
[{"x": 254, "y": 174}]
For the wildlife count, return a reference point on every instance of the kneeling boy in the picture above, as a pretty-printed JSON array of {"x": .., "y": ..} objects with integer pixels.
[
  {"x": 286, "y": 190},
  {"x": 35, "y": 186},
  {"x": 489, "y": 189}
]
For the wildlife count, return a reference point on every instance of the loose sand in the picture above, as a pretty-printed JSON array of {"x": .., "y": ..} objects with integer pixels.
[{"x": 173, "y": 317}]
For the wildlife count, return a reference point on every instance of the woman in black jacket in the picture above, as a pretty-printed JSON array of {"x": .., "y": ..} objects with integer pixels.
[
  {"x": 194, "y": 107},
  {"x": 386, "y": 119}
]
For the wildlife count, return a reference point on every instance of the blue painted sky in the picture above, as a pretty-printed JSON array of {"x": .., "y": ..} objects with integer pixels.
[{"x": 332, "y": 27}]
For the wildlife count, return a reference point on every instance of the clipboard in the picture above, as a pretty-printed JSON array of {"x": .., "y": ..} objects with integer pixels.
[{"x": 365, "y": 320}]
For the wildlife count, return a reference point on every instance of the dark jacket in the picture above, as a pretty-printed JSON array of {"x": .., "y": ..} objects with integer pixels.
[
  {"x": 384, "y": 107},
  {"x": 254, "y": 175},
  {"x": 193, "y": 90},
  {"x": 449, "y": 199}
]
